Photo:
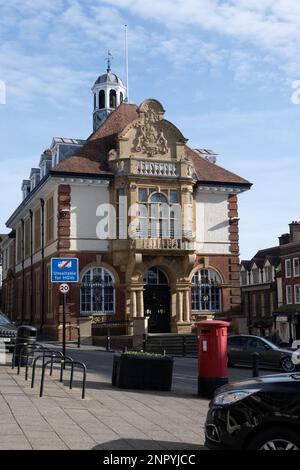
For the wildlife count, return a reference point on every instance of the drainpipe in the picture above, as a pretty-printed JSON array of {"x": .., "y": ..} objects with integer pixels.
[
  {"x": 23, "y": 274},
  {"x": 31, "y": 266},
  {"x": 43, "y": 262}
]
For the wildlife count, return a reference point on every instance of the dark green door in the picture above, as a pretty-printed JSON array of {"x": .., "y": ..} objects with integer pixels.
[{"x": 157, "y": 301}]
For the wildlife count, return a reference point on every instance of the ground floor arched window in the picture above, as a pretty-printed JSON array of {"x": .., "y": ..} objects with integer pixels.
[
  {"x": 206, "y": 291},
  {"x": 97, "y": 292}
]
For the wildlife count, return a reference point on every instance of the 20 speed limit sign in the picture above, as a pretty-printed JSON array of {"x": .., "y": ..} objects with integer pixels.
[{"x": 64, "y": 288}]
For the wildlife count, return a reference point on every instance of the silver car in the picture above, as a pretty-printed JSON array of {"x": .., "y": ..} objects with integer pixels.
[{"x": 241, "y": 348}]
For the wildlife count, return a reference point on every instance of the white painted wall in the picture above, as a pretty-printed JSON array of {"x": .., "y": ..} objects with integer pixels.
[
  {"x": 212, "y": 224},
  {"x": 84, "y": 204}
]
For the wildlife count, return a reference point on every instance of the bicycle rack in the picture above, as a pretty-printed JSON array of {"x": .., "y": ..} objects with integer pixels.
[
  {"x": 31, "y": 348},
  {"x": 64, "y": 362},
  {"x": 50, "y": 353},
  {"x": 13, "y": 362},
  {"x": 54, "y": 357}
]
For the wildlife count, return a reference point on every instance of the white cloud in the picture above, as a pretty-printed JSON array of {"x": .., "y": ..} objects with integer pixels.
[
  {"x": 200, "y": 33},
  {"x": 270, "y": 25}
]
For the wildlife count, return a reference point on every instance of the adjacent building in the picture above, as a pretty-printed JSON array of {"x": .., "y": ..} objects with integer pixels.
[
  {"x": 270, "y": 285},
  {"x": 261, "y": 290},
  {"x": 287, "y": 316},
  {"x": 153, "y": 222}
]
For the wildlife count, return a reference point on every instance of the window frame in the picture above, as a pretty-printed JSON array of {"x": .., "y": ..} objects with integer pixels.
[
  {"x": 102, "y": 311},
  {"x": 297, "y": 286},
  {"x": 157, "y": 224},
  {"x": 37, "y": 221},
  {"x": 214, "y": 298},
  {"x": 289, "y": 294},
  {"x": 288, "y": 270},
  {"x": 49, "y": 220},
  {"x": 296, "y": 274}
]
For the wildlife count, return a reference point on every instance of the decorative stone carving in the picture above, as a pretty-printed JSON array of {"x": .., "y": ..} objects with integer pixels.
[
  {"x": 112, "y": 154},
  {"x": 150, "y": 137},
  {"x": 120, "y": 166}
]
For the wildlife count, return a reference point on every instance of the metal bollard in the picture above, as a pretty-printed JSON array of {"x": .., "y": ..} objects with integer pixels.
[
  {"x": 78, "y": 337},
  {"x": 255, "y": 364},
  {"x": 46, "y": 353},
  {"x": 108, "y": 342}
]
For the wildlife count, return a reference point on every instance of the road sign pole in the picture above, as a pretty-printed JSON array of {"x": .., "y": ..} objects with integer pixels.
[{"x": 64, "y": 324}]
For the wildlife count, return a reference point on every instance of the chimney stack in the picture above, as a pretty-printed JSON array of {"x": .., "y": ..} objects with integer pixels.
[
  {"x": 295, "y": 231},
  {"x": 284, "y": 239}
]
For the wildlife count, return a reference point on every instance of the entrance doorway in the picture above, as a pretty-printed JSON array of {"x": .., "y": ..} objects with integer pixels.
[{"x": 157, "y": 301}]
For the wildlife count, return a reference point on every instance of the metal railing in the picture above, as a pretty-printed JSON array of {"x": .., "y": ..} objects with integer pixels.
[
  {"x": 48, "y": 357},
  {"x": 109, "y": 325}
]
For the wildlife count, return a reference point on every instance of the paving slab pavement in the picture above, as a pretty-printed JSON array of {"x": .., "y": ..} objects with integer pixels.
[{"x": 109, "y": 418}]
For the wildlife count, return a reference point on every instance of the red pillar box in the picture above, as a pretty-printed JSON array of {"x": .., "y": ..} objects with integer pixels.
[{"x": 212, "y": 356}]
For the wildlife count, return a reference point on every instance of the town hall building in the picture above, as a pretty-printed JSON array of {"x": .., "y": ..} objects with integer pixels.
[{"x": 153, "y": 222}]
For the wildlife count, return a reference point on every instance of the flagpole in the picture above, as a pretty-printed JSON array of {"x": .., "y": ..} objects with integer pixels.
[{"x": 126, "y": 65}]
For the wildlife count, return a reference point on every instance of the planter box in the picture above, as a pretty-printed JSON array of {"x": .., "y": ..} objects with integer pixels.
[{"x": 142, "y": 372}]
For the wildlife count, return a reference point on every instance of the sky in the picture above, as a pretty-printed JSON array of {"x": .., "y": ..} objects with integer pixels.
[{"x": 227, "y": 73}]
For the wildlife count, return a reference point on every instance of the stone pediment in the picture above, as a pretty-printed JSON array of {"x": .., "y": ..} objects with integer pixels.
[{"x": 150, "y": 135}]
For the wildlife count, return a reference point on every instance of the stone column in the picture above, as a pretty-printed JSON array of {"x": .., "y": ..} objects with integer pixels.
[
  {"x": 107, "y": 92},
  {"x": 141, "y": 303},
  {"x": 187, "y": 306},
  {"x": 179, "y": 306},
  {"x": 133, "y": 303}
]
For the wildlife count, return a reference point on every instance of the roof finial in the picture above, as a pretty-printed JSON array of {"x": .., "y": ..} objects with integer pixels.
[{"x": 109, "y": 57}]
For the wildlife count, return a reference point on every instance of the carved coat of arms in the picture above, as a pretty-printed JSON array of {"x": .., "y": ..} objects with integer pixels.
[{"x": 150, "y": 138}]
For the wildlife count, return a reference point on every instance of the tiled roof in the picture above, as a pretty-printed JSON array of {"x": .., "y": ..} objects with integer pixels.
[
  {"x": 210, "y": 172},
  {"x": 92, "y": 157},
  {"x": 271, "y": 254},
  {"x": 246, "y": 264}
]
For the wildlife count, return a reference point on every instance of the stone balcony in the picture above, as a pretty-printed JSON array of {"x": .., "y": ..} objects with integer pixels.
[{"x": 163, "y": 244}]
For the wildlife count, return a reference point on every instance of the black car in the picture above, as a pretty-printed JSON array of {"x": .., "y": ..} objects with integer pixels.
[
  {"x": 240, "y": 349},
  {"x": 8, "y": 332},
  {"x": 257, "y": 414}
]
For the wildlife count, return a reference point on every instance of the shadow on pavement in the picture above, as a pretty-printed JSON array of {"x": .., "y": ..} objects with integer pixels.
[
  {"x": 95, "y": 385},
  {"x": 142, "y": 444}
]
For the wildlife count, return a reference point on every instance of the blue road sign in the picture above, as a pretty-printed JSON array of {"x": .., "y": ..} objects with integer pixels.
[{"x": 64, "y": 270}]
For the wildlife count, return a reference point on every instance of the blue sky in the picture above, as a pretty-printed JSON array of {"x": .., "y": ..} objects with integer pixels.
[{"x": 223, "y": 70}]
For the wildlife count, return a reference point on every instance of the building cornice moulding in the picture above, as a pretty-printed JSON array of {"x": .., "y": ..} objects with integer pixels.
[
  {"x": 52, "y": 178},
  {"x": 220, "y": 189}
]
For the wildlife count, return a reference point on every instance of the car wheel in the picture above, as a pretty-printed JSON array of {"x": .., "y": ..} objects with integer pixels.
[
  {"x": 287, "y": 364},
  {"x": 276, "y": 439}
]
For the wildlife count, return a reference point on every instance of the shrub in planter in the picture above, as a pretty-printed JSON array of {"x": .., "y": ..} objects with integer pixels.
[{"x": 139, "y": 370}]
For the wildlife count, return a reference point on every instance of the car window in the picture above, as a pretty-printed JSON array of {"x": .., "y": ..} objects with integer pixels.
[
  {"x": 3, "y": 320},
  {"x": 237, "y": 341},
  {"x": 256, "y": 344},
  {"x": 233, "y": 341}
]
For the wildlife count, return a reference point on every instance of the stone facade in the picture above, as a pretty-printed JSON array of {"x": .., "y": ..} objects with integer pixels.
[{"x": 135, "y": 153}]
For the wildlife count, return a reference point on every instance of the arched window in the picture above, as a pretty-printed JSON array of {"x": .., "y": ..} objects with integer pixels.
[
  {"x": 97, "y": 292},
  {"x": 102, "y": 99},
  {"x": 206, "y": 291},
  {"x": 159, "y": 214},
  {"x": 121, "y": 98},
  {"x": 112, "y": 99}
]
